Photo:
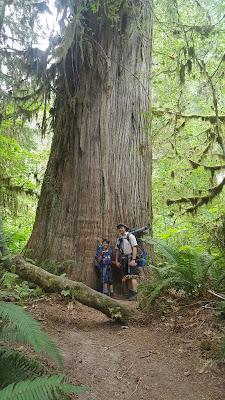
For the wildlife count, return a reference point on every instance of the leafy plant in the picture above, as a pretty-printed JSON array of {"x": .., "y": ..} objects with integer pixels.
[
  {"x": 9, "y": 279},
  {"x": 221, "y": 310},
  {"x": 12, "y": 288},
  {"x": 183, "y": 269},
  {"x": 53, "y": 266},
  {"x": 21, "y": 375}
]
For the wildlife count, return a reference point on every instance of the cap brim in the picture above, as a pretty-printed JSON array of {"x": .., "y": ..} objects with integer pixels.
[{"x": 119, "y": 226}]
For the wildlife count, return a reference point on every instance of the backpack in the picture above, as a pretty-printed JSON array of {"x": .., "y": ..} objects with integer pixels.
[{"x": 141, "y": 251}]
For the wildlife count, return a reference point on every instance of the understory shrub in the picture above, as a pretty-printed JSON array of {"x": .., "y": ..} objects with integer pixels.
[
  {"x": 13, "y": 288},
  {"x": 185, "y": 270}
]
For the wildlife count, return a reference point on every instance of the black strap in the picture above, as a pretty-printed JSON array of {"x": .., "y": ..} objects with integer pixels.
[{"x": 121, "y": 246}]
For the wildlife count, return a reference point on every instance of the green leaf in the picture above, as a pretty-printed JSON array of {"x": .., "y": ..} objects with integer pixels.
[
  {"x": 22, "y": 328},
  {"x": 44, "y": 388}
]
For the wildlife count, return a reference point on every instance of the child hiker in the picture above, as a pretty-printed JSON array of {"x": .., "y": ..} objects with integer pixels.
[{"x": 103, "y": 264}]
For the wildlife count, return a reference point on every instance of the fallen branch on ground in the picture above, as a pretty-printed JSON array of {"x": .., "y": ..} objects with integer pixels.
[
  {"x": 219, "y": 296},
  {"x": 77, "y": 290}
]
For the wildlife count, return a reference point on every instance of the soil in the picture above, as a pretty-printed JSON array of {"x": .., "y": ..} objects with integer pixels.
[{"x": 168, "y": 357}]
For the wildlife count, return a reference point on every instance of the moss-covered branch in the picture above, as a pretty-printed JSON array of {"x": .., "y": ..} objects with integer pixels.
[
  {"x": 209, "y": 117},
  {"x": 196, "y": 164},
  {"x": 198, "y": 201},
  {"x": 78, "y": 291}
]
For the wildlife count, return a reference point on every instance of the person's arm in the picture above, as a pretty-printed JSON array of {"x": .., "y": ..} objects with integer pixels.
[
  {"x": 134, "y": 253},
  {"x": 99, "y": 255},
  {"x": 133, "y": 262},
  {"x": 117, "y": 257}
]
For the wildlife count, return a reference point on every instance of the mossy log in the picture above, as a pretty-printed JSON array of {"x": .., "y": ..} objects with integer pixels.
[{"x": 78, "y": 290}]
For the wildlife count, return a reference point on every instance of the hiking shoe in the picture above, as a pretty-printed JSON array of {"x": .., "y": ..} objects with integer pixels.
[
  {"x": 132, "y": 295},
  {"x": 133, "y": 298}
]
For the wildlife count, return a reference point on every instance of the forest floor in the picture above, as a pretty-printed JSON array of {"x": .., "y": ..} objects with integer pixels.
[{"x": 164, "y": 358}]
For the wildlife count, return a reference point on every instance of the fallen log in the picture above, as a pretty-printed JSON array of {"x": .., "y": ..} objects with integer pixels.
[{"x": 78, "y": 290}]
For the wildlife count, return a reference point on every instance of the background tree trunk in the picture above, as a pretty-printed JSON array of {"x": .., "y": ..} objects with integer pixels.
[
  {"x": 99, "y": 171},
  {"x": 3, "y": 246}
]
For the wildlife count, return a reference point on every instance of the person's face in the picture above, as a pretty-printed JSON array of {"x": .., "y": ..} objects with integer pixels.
[
  {"x": 121, "y": 230},
  {"x": 105, "y": 245}
]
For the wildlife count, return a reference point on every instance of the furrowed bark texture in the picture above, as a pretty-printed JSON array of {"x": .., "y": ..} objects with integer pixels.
[
  {"x": 3, "y": 246},
  {"x": 78, "y": 291},
  {"x": 99, "y": 171}
]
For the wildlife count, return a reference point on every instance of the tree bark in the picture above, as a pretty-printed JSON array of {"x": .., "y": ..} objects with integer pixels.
[
  {"x": 4, "y": 251},
  {"x": 78, "y": 291},
  {"x": 99, "y": 171},
  {"x": 3, "y": 246}
]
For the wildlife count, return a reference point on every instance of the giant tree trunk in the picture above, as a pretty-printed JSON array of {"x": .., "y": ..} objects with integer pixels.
[{"x": 99, "y": 171}]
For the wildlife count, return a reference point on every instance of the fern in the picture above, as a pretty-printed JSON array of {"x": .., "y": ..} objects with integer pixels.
[
  {"x": 184, "y": 269},
  {"x": 164, "y": 284},
  {"x": 20, "y": 327},
  {"x": 16, "y": 366},
  {"x": 44, "y": 388},
  {"x": 220, "y": 279},
  {"x": 191, "y": 266},
  {"x": 172, "y": 256}
]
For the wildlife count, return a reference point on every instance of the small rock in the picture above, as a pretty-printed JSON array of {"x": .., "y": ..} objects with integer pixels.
[{"x": 124, "y": 327}]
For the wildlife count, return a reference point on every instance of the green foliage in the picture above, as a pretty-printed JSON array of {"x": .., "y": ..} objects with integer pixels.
[
  {"x": 222, "y": 352},
  {"x": 54, "y": 267},
  {"x": 9, "y": 279},
  {"x": 66, "y": 292},
  {"x": 23, "y": 162},
  {"x": 20, "y": 375},
  {"x": 11, "y": 287},
  {"x": 23, "y": 158},
  {"x": 221, "y": 311},
  {"x": 16, "y": 366},
  {"x": 18, "y": 227},
  {"x": 43, "y": 388},
  {"x": 188, "y": 149},
  {"x": 20, "y": 178},
  {"x": 183, "y": 269},
  {"x": 20, "y": 327}
]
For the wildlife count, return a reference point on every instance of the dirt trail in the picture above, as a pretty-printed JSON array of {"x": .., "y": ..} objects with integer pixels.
[{"x": 158, "y": 361}]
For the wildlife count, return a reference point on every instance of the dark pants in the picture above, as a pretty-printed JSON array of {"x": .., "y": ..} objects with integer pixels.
[{"x": 126, "y": 269}]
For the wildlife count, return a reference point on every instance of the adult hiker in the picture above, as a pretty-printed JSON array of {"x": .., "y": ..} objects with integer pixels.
[
  {"x": 126, "y": 251},
  {"x": 103, "y": 264}
]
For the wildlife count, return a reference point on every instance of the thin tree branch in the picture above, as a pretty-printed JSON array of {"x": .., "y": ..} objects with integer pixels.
[{"x": 210, "y": 117}]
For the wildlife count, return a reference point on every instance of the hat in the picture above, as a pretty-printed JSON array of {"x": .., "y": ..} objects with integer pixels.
[{"x": 125, "y": 226}]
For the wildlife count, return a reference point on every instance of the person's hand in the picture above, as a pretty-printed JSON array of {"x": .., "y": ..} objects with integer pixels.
[
  {"x": 132, "y": 263},
  {"x": 117, "y": 264}
]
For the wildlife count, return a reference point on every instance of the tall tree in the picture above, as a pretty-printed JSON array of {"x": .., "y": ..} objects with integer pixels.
[
  {"x": 21, "y": 161},
  {"x": 99, "y": 170}
]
